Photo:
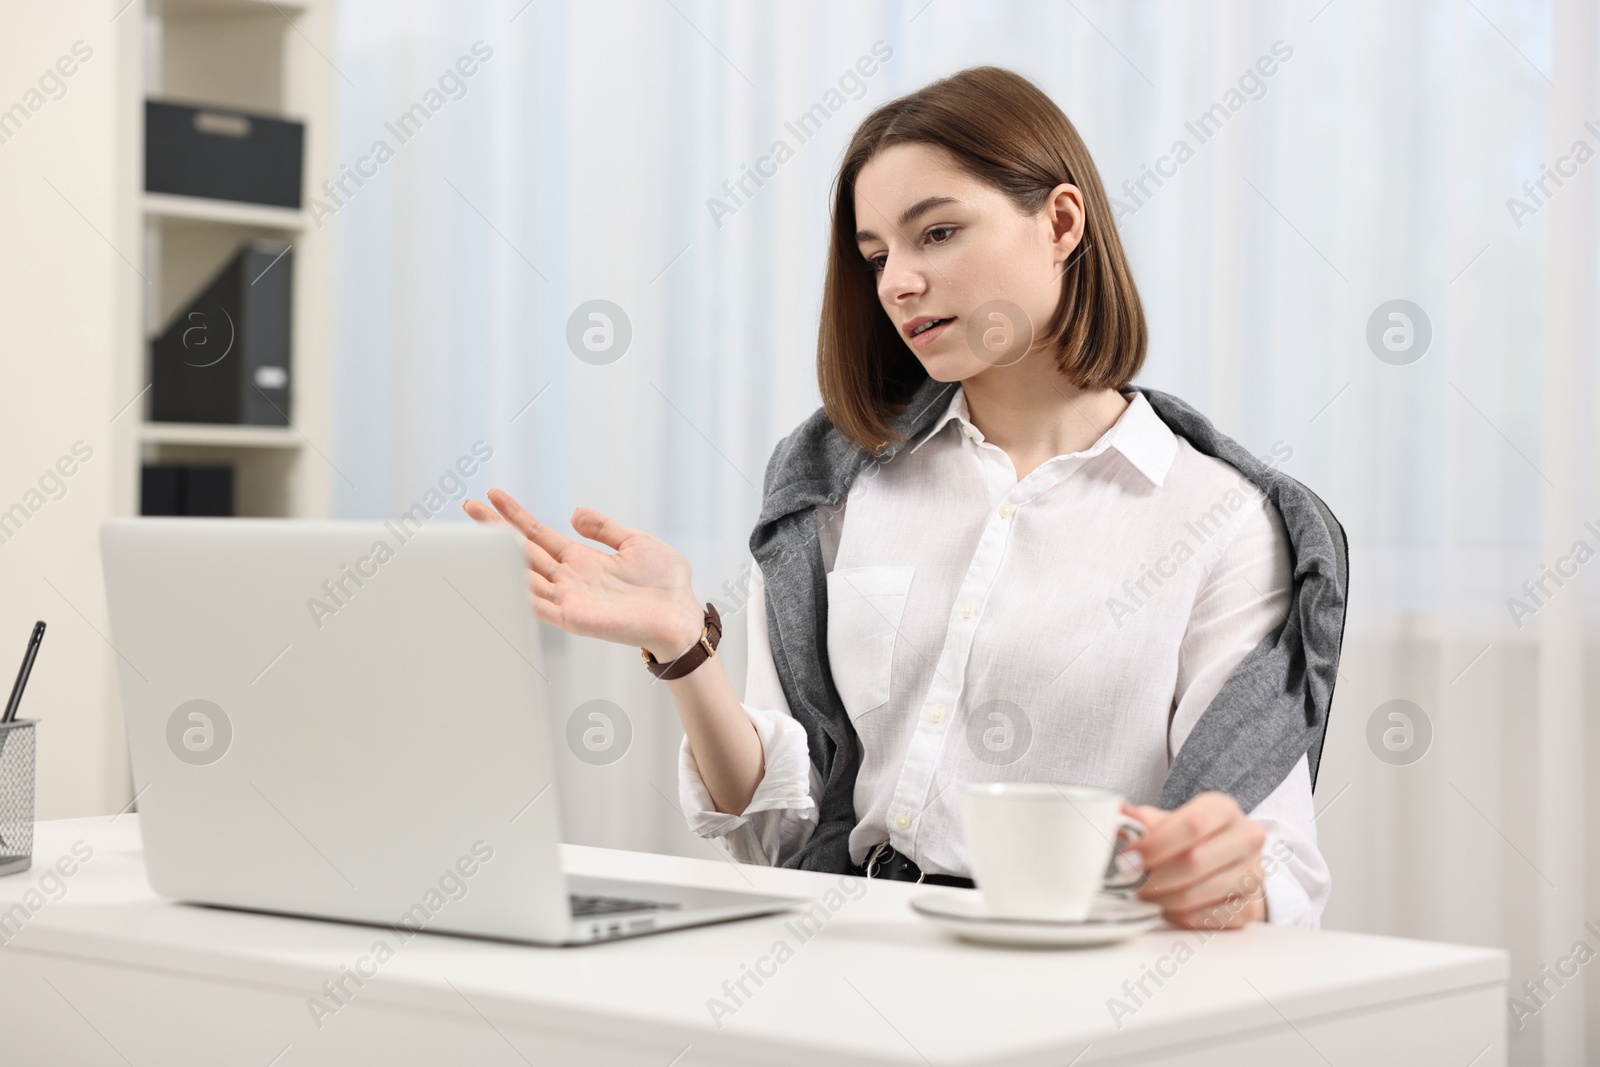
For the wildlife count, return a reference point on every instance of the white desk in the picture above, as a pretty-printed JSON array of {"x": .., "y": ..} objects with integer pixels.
[{"x": 111, "y": 974}]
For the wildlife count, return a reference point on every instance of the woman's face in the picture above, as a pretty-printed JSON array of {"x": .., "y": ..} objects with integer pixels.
[{"x": 945, "y": 245}]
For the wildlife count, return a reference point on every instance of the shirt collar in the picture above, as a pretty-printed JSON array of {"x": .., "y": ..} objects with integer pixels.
[{"x": 1139, "y": 434}]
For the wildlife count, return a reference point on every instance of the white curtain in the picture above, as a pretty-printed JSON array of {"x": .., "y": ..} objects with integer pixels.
[{"x": 1341, "y": 155}]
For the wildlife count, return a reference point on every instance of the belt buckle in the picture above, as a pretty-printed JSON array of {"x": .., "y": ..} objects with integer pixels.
[{"x": 872, "y": 858}]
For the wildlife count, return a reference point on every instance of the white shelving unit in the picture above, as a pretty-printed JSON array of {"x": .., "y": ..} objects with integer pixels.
[
  {"x": 260, "y": 57},
  {"x": 201, "y": 434},
  {"x": 198, "y": 209},
  {"x": 92, "y": 266}
]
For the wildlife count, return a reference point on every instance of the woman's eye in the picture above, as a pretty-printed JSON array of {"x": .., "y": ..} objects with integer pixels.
[{"x": 876, "y": 262}]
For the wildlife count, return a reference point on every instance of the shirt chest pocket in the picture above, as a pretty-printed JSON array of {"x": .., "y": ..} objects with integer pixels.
[{"x": 865, "y": 605}]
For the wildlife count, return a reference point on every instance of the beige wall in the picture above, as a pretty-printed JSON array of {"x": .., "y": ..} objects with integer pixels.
[{"x": 65, "y": 293}]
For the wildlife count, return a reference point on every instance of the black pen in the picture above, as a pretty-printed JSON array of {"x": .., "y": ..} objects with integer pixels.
[{"x": 22, "y": 675}]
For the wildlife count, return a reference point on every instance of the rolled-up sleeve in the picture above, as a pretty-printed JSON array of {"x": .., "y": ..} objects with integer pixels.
[
  {"x": 781, "y": 816},
  {"x": 1244, "y": 598}
]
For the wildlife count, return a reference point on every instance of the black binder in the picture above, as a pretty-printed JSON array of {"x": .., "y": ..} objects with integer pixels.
[{"x": 225, "y": 356}]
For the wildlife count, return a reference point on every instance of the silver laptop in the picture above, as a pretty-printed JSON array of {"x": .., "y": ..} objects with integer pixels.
[{"x": 349, "y": 720}]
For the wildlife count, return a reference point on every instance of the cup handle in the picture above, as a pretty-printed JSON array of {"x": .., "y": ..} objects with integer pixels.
[{"x": 1120, "y": 875}]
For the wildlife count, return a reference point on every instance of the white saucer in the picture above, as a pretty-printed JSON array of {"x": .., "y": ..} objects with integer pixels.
[{"x": 1111, "y": 918}]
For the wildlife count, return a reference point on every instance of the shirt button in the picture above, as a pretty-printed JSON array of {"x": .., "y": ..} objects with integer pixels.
[
  {"x": 966, "y": 429},
  {"x": 1005, "y": 511},
  {"x": 902, "y": 820},
  {"x": 966, "y": 611},
  {"x": 936, "y": 714}
]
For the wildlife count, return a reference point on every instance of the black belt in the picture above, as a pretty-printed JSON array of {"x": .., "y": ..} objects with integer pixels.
[{"x": 884, "y": 862}]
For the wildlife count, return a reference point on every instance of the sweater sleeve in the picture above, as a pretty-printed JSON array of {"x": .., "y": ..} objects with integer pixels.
[
  {"x": 781, "y": 816},
  {"x": 1244, "y": 598}
]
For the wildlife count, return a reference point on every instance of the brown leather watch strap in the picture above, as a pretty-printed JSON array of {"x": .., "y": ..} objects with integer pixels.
[{"x": 698, "y": 653}]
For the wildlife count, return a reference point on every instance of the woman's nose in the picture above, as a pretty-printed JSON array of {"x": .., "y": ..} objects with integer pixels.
[{"x": 900, "y": 282}]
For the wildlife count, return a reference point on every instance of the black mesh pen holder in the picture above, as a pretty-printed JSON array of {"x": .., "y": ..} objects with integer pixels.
[{"x": 16, "y": 796}]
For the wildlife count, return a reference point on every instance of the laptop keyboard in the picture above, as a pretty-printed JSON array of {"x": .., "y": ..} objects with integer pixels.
[{"x": 585, "y": 905}]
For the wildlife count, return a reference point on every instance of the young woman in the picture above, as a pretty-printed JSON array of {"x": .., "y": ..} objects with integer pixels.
[{"x": 989, "y": 557}]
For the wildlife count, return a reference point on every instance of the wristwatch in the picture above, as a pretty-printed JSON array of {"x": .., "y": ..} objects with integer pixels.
[{"x": 698, "y": 653}]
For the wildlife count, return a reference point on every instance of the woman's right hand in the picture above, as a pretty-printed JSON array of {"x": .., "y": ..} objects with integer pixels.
[{"x": 639, "y": 594}]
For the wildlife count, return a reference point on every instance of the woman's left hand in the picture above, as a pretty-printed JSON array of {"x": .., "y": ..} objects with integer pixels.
[{"x": 1203, "y": 863}]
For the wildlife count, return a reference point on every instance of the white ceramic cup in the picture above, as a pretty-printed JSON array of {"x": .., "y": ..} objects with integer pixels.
[{"x": 1040, "y": 850}]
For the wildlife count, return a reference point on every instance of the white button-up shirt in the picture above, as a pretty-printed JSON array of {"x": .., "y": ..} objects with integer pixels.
[{"x": 1068, "y": 627}]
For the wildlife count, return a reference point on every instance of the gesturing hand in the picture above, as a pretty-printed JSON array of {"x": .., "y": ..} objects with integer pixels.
[
  {"x": 1203, "y": 863},
  {"x": 640, "y": 594}
]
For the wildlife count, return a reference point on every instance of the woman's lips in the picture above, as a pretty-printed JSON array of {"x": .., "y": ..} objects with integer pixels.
[{"x": 926, "y": 336}]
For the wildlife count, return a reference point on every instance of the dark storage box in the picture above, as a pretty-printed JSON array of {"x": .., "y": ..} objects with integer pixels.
[
  {"x": 225, "y": 356},
  {"x": 222, "y": 153},
  {"x": 185, "y": 489}
]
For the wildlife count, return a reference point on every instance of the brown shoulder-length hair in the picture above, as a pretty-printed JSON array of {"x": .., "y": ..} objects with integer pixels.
[{"x": 1001, "y": 129}]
